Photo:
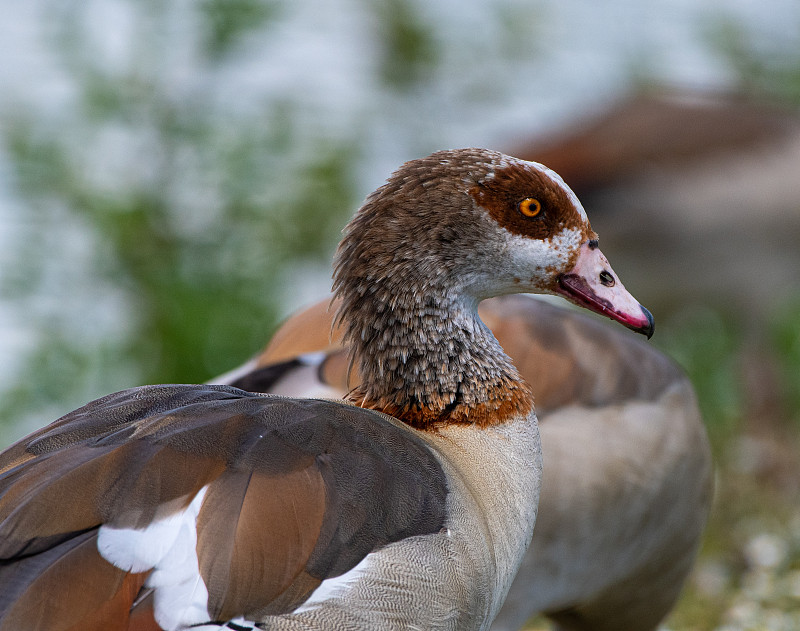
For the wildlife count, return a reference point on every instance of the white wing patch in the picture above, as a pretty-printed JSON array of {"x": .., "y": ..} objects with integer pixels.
[
  {"x": 232, "y": 375},
  {"x": 237, "y": 624},
  {"x": 304, "y": 381},
  {"x": 169, "y": 548}
]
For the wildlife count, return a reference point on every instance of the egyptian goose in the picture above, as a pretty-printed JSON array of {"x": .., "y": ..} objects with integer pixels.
[
  {"x": 627, "y": 465},
  {"x": 169, "y": 507}
]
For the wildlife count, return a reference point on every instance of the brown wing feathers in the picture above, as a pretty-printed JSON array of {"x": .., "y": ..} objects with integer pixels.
[
  {"x": 93, "y": 593},
  {"x": 298, "y": 491},
  {"x": 254, "y": 539}
]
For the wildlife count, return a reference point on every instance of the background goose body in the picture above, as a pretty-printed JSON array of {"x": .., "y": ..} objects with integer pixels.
[
  {"x": 627, "y": 466},
  {"x": 169, "y": 507}
]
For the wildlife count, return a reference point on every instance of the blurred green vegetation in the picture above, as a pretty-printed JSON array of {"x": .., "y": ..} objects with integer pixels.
[
  {"x": 764, "y": 66},
  {"x": 226, "y": 23},
  {"x": 785, "y": 338},
  {"x": 748, "y": 574},
  {"x": 706, "y": 344},
  {"x": 411, "y": 53},
  {"x": 185, "y": 231}
]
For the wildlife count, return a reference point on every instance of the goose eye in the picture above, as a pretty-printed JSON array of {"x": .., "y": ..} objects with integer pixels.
[{"x": 530, "y": 207}]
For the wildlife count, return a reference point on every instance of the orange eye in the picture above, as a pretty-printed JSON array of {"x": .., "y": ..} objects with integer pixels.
[{"x": 530, "y": 207}]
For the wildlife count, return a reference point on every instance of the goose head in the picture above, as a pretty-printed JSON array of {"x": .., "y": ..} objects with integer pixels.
[{"x": 470, "y": 224}]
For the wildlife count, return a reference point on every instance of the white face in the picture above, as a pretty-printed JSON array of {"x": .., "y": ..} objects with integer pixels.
[{"x": 526, "y": 265}]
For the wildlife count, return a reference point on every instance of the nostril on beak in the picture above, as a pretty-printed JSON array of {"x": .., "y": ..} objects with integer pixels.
[{"x": 607, "y": 279}]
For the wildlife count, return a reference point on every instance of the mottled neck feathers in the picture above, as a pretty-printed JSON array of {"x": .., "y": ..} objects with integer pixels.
[{"x": 426, "y": 368}]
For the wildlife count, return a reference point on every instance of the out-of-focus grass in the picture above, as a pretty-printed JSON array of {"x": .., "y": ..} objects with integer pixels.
[
  {"x": 706, "y": 343},
  {"x": 785, "y": 338}
]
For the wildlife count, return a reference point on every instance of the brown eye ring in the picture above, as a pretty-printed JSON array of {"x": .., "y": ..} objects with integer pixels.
[{"x": 530, "y": 207}]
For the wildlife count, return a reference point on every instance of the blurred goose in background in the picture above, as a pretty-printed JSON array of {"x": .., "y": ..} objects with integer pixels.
[
  {"x": 411, "y": 505},
  {"x": 627, "y": 467}
]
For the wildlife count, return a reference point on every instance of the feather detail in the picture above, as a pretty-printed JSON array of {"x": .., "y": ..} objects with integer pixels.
[{"x": 67, "y": 588}]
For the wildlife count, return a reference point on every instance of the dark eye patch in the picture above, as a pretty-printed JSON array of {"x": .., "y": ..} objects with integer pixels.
[{"x": 502, "y": 194}]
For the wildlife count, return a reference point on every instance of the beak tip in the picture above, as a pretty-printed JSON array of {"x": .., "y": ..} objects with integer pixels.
[{"x": 651, "y": 325}]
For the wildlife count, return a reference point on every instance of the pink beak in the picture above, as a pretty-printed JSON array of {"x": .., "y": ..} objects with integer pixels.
[{"x": 592, "y": 284}]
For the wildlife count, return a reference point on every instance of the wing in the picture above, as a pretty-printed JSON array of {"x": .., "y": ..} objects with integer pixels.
[{"x": 185, "y": 504}]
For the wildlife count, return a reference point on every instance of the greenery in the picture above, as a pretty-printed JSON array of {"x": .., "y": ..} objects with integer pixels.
[
  {"x": 186, "y": 225},
  {"x": 764, "y": 65},
  {"x": 785, "y": 337}
]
